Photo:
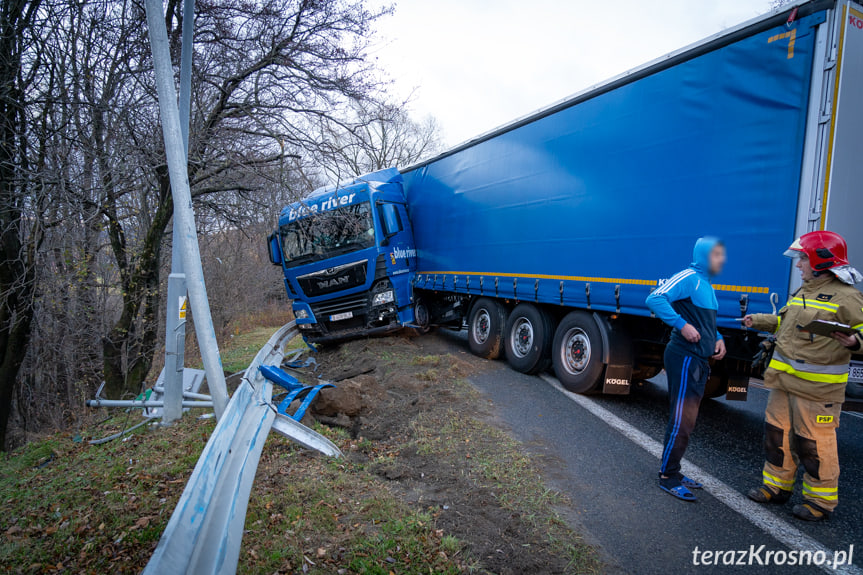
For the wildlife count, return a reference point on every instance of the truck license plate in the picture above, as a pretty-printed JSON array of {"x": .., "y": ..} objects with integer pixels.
[{"x": 341, "y": 316}]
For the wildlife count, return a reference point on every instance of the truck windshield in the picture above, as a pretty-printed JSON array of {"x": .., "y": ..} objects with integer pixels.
[{"x": 328, "y": 234}]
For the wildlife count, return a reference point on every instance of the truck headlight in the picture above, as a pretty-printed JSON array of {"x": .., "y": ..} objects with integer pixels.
[
  {"x": 301, "y": 313},
  {"x": 384, "y": 297}
]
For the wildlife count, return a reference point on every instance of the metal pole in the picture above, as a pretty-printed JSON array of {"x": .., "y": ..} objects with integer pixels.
[
  {"x": 136, "y": 403},
  {"x": 188, "y": 394},
  {"x": 186, "y": 239},
  {"x": 175, "y": 323},
  {"x": 186, "y": 70}
]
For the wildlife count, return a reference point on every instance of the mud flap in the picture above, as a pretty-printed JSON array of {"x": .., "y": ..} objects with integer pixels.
[
  {"x": 738, "y": 388},
  {"x": 617, "y": 379},
  {"x": 617, "y": 356}
]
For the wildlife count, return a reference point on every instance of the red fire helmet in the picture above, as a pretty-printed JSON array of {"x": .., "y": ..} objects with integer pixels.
[{"x": 824, "y": 249}]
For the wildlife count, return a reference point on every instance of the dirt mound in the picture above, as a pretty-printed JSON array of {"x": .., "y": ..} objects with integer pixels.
[
  {"x": 382, "y": 384},
  {"x": 405, "y": 400}
]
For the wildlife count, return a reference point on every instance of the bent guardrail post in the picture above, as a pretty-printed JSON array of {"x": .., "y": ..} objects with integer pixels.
[
  {"x": 204, "y": 533},
  {"x": 302, "y": 435}
]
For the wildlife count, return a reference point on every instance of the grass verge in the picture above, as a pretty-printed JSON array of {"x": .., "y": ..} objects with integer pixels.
[{"x": 427, "y": 485}]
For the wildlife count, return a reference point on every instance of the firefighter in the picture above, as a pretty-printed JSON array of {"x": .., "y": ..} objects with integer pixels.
[{"x": 807, "y": 377}]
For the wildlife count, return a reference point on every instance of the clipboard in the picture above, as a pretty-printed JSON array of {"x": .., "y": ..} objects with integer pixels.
[{"x": 826, "y": 328}]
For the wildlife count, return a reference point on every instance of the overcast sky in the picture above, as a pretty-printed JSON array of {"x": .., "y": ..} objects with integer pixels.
[{"x": 477, "y": 64}]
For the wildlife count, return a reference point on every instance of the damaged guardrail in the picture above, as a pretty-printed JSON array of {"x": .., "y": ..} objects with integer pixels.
[{"x": 204, "y": 533}]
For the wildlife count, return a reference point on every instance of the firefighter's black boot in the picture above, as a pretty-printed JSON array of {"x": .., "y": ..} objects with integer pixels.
[
  {"x": 810, "y": 512},
  {"x": 764, "y": 494}
]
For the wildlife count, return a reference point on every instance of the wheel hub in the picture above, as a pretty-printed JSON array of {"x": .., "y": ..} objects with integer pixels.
[
  {"x": 421, "y": 314},
  {"x": 482, "y": 326},
  {"x": 576, "y": 351},
  {"x": 522, "y": 337}
]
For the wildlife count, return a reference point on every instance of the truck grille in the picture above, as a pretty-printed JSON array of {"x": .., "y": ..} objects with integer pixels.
[
  {"x": 334, "y": 279},
  {"x": 355, "y": 303}
]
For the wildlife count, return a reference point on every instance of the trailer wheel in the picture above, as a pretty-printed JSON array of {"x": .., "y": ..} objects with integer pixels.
[
  {"x": 577, "y": 353},
  {"x": 485, "y": 328},
  {"x": 422, "y": 317},
  {"x": 715, "y": 387},
  {"x": 529, "y": 333}
]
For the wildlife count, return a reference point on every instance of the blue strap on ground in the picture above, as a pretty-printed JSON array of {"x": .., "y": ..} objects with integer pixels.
[
  {"x": 289, "y": 399},
  {"x": 301, "y": 410},
  {"x": 302, "y": 363},
  {"x": 279, "y": 377},
  {"x": 295, "y": 390}
]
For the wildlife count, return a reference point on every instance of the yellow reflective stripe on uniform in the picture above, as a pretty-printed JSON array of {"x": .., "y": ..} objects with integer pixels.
[
  {"x": 814, "y": 304},
  {"x": 780, "y": 483},
  {"x": 808, "y": 375},
  {"x": 858, "y": 326},
  {"x": 778, "y": 322},
  {"x": 825, "y": 493}
]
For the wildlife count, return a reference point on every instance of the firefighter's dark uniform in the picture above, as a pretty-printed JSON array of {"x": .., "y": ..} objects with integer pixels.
[{"x": 807, "y": 378}]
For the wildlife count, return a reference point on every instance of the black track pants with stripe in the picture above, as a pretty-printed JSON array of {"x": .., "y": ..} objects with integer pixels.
[{"x": 687, "y": 375}]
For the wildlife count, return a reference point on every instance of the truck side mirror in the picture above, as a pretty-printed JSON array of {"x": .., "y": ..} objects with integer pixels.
[{"x": 274, "y": 249}]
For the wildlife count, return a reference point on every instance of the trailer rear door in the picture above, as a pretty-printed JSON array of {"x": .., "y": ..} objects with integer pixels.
[{"x": 842, "y": 203}]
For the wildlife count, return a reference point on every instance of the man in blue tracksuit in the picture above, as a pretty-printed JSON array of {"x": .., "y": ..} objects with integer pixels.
[{"x": 687, "y": 303}]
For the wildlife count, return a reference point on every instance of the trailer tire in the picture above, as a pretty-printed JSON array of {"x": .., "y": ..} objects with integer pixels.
[
  {"x": 422, "y": 317},
  {"x": 528, "y": 336},
  {"x": 577, "y": 353},
  {"x": 485, "y": 326},
  {"x": 716, "y": 386}
]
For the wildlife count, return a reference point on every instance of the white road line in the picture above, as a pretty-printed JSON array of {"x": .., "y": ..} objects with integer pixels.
[{"x": 755, "y": 513}]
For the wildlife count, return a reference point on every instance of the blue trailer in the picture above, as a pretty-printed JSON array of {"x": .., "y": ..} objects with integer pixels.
[{"x": 544, "y": 237}]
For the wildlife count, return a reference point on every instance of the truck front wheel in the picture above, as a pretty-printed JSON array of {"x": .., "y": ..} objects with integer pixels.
[
  {"x": 529, "y": 332},
  {"x": 485, "y": 328},
  {"x": 577, "y": 353}
]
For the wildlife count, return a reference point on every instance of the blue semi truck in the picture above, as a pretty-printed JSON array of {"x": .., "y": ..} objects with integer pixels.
[{"x": 544, "y": 237}]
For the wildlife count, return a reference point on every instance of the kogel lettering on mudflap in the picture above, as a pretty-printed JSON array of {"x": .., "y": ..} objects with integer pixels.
[
  {"x": 303, "y": 210},
  {"x": 402, "y": 254},
  {"x": 736, "y": 389},
  {"x": 617, "y": 381}
]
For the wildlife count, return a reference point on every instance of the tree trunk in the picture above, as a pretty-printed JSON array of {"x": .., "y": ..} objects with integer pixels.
[
  {"x": 129, "y": 348},
  {"x": 16, "y": 260},
  {"x": 16, "y": 341}
]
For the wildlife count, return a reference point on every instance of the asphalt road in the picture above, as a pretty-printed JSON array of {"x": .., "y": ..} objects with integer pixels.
[{"x": 612, "y": 483}]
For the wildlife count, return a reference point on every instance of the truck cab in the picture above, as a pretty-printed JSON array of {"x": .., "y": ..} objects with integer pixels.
[{"x": 347, "y": 254}]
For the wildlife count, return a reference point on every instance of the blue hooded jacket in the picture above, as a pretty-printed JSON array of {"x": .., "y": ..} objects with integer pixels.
[{"x": 688, "y": 297}]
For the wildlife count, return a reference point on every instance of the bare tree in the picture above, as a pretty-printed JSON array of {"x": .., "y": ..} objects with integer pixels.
[
  {"x": 22, "y": 204},
  {"x": 264, "y": 71},
  {"x": 381, "y": 135},
  {"x": 85, "y": 199}
]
